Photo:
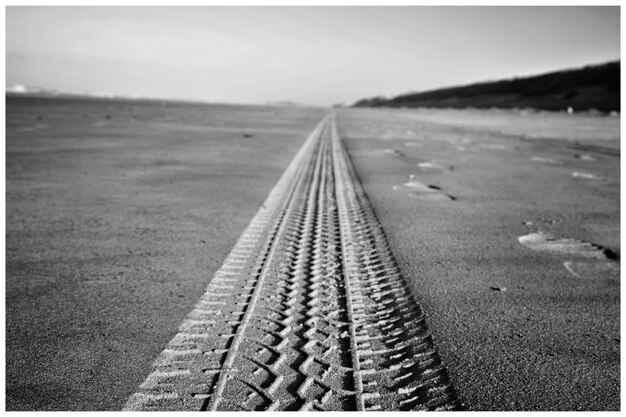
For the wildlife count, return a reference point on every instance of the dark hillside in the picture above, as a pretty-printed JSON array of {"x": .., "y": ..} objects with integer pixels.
[{"x": 592, "y": 87}]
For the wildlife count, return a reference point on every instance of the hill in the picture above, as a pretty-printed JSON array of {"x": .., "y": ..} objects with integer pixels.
[{"x": 592, "y": 87}]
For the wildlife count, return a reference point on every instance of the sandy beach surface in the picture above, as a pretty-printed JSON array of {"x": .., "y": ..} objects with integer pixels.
[
  {"x": 520, "y": 327},
  {"x": 118, "y": 215},
  {"x": 505, "y": 225}
]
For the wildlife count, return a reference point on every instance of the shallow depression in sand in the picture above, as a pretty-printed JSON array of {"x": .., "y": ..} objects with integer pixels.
[
  {"x": 416, "y": 189},
  {"x": 393, "y": 152},
  {"x": 545, "y": 160},
  {"x": 432, "y": 166},
  {"x": 38, "y": 126},
  {"x": 545, "y": 242},
  {"x": 585, "y": 157},
  {"x": 593, "y": 270},
  {"x": 585, "y": 175},
  {"x": 494, "y": 146}
]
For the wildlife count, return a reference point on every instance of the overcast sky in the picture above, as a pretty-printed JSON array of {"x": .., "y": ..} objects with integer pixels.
[{"x": 316, "y": 55}]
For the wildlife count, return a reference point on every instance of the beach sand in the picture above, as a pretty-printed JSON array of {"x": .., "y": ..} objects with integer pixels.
[
  {"x": 505, "y": 225},
  {"x": 519, "y": 273},
  {"x": 118, "y": 215}
]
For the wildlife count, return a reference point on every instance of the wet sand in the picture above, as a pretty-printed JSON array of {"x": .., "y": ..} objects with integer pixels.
[{"x": 118, "y": 216}]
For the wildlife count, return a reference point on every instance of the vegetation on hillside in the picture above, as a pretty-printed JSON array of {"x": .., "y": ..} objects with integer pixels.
[{"x": 594, "y": 87}]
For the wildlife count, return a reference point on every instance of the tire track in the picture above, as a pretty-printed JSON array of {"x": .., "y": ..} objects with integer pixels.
[{"x": 308, "y": 312}]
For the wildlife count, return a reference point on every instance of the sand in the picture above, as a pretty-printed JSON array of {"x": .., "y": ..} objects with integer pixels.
[
  {"x": 520, "y": 327},
  {"x": 308, "y": 312},
  {"x": 119, "y": 214},
  {"x": 115, "y": 225}
]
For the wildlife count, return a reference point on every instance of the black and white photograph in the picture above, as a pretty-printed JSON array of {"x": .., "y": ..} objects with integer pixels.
[{"x": 312, "y": 207}]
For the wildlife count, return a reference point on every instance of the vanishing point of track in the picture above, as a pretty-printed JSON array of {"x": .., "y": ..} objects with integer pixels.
[{"x": 308, "y": 312}]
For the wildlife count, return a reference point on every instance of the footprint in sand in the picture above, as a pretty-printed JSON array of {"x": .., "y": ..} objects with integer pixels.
[
  {"x": 545, "y": 160},
  {"x": 585, "y": 157},
  {"x": 494, "y": 146},
  {"x": 458, "y": 142},
  {"x": 593, "y": 270},
  {"x": 422, "y": 191},
  {"x": 433, "y": 166},
  {"x": 393, "y": 152},
  {"x": 39, "y": 126},
  {"x": 585, "y": 175},
  {"x": 546, "y": 242}
]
